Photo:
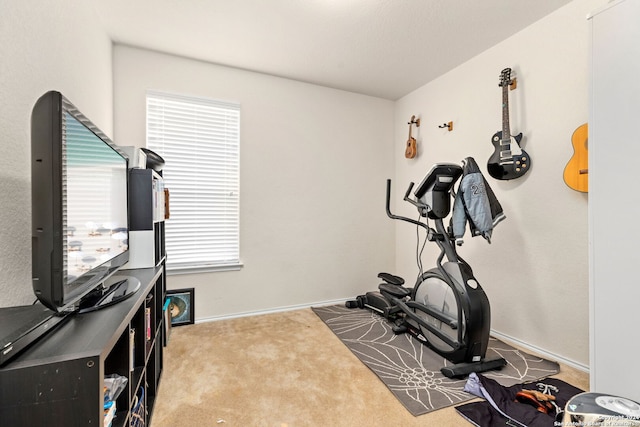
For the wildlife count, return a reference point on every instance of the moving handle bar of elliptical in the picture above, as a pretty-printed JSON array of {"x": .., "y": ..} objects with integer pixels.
[
  {"x": 422, "y": 208},
  {"x": 407, "y": 308}
]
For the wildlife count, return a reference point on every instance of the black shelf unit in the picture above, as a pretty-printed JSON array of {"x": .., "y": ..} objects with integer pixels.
[{"x": 60, "y": 378}]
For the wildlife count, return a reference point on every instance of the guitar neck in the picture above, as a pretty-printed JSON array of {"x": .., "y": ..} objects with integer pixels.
[{"x": 506, "y": 132}]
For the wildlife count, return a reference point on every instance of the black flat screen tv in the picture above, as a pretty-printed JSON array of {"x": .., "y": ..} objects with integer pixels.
[{"x": 79, "y": 197}]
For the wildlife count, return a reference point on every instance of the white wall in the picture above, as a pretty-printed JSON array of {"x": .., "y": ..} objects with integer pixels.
[
  {"x": 43, "y": 46},
  {"x": 535, "y": 271},
  {"x": 313, "y": 167}
]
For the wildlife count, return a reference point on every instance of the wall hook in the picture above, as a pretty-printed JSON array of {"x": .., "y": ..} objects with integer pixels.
[
  {"x": 414, "y": 121},
  {"x": 447, "y": 125}
]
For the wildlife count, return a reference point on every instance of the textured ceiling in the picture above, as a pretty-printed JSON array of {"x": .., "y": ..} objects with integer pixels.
[{"x": 383, "y": 48}]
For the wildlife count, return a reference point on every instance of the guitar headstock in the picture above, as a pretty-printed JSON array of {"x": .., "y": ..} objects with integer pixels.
[{"x": 505, "y": 77}]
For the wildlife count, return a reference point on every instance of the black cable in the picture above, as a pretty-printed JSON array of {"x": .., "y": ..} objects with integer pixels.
[
  {"x": 420, "y": 250},
  {"x": 418, "y": 258}
]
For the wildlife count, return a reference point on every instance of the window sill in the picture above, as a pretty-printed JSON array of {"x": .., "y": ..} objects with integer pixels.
[{"x": 204, "y": 269}]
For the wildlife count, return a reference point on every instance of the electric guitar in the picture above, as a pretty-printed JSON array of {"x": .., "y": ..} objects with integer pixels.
[
  {"x": 508, "y": 160},
  {"x": 576, "y": 173},
  {"x": 411, "y": 150}
]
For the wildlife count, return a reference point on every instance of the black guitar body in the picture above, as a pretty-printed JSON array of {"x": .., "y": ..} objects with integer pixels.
[{"x": 507, "y": 166}]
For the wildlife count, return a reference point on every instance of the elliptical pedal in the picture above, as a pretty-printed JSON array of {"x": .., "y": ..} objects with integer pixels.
[
  {"x": 391, "y": 279},
  {"x": 397, "y": 291}
]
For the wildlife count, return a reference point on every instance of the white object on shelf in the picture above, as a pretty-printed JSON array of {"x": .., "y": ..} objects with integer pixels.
[{"x": 141, "y": 250}]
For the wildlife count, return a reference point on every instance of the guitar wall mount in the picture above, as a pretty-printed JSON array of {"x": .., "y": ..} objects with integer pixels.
[{"x": 449, "y": 126}]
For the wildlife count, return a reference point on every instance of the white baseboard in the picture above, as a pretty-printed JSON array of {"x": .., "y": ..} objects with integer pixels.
[
  {"x": 506, "y": 338},
  {"x": 270, "y": 311},
  {"x": 540, "y": 351}
]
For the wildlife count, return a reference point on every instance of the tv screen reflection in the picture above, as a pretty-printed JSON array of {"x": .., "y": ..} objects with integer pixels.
[{"x": 95, "y": 226}]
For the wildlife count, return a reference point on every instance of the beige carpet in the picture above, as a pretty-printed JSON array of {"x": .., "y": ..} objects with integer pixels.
[{"x": 280, "y": 370}]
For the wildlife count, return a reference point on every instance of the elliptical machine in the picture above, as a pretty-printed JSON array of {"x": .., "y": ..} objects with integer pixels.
[{"x": 446, "y": 310}]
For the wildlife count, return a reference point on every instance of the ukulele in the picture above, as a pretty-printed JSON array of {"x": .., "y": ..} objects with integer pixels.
[
  {"x": 508, "y": 160},
  {"x": 576, "y": 173},
  {"x": 411, "y": 150}
]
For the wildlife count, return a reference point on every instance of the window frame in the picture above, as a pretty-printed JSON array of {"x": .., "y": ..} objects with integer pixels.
[{"x": 218, "y": 190}]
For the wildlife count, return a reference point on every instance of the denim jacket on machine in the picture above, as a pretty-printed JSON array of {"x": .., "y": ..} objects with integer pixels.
[{"x": 475, "y": 202}]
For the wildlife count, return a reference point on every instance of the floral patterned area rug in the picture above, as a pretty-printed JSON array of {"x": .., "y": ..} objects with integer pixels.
[{"x": 411, "y": 370}]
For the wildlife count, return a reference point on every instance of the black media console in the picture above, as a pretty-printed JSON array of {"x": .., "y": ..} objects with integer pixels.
[{"x": 54, "y": 384}]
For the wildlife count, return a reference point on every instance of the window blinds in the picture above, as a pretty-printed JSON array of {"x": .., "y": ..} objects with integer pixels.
[{"x": 199, "y": 140}]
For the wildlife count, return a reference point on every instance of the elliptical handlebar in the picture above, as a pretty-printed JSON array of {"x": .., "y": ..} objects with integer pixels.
[
  {"x": 439, "y": 234},
  {"x": 420, "y": 206},
  {"x": 406, "y": 195}
]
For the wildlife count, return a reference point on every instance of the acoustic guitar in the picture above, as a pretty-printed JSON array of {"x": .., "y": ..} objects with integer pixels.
[
  {"x": 576, "y": 173},
  {"x": 411, "y": 150},
  {"x": 508, "y": 160}
]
